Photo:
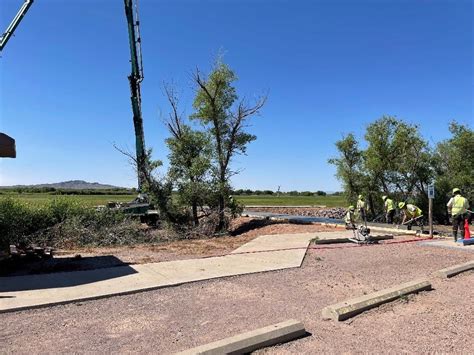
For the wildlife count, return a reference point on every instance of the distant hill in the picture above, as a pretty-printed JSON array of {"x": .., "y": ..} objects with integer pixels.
[{"x": 69, "y": 185}]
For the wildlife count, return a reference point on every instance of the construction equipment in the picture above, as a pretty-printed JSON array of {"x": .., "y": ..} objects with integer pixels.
[
  {"x": 14, "y": 24},
  {"x": 135, "y": 79},
  {"x": 7, "y": 144},
  {"x": 139, "y": 208},
  {"x": 362, "y": 235}
]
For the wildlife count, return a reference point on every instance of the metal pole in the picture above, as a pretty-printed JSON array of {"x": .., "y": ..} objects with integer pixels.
[
  {"x": 135, "y": 78},
  {"x": 14, "y": 24},
  {"x": 430, "y": 212}
]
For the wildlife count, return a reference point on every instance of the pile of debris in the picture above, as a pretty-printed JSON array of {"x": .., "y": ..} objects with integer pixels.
[{"x": 334, "y": 212}]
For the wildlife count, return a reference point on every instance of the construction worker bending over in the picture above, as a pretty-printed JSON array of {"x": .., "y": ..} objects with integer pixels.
[
  {"x": 389, "y": 208},
  {"x": 361, "y": 208},
  {"x": 350, "y": 219},
  {"x": 411, "y": 214},
  {"x": 458, "y": 206}
]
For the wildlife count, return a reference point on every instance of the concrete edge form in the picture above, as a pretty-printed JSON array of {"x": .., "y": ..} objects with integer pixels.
[
  {"x": 346, "y": 240},
  {"x": 455, "y": 270},
  {"x": 349, "y": 308},
  {"x": 253, "y": 340}
]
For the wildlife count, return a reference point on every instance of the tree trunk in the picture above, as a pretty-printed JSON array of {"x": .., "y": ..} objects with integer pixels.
[
  {"x": 195, "y": 214},
  {"x": 372, "y": 206},
  {"x": 221, "y": 225}
]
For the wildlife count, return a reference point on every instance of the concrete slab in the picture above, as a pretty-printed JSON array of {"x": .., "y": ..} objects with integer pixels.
[
  {"x": 447, "y": 243},
  {"x": 277, "y": 242},
  {"x": 455, "y": 270},
  {"x": 349, "y": 308},
  {"x": 266, "y": 253},
  {"x": 254, "y": 340}
]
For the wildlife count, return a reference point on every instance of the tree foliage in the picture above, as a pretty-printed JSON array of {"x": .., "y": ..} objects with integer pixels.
[
  {"x": 397, "y": 161},
  {"x": 189, "y": 158},
  {"x": 218, "y": 108},
  {"x": 454, "y": 165},
  {"x": 349, "y": 166}
]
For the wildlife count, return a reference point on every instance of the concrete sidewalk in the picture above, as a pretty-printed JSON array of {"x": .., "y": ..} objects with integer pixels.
[{"x": 265, "y": 253}]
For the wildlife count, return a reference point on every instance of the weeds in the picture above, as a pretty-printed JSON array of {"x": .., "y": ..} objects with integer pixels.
[{"x": 65, "y": 223}]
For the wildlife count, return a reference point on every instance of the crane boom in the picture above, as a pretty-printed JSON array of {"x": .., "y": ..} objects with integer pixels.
[
  {"x": 135, "y": 78},
  {"x": 14, "y": 24}
]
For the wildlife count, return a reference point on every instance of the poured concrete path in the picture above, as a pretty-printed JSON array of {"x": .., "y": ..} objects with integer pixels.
[
  {"x": 448, "y": 243},
  {"x": 265, "y": 253}
]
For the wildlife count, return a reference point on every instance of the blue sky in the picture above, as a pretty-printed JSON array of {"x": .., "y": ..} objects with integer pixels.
[{"x": 330, "y": 67}]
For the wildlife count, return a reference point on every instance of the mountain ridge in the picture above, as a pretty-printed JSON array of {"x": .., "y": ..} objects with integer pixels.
[{"x": 69, "y": 185}]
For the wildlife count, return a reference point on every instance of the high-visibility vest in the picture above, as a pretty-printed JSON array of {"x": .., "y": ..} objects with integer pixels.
[
  {"x": 413, "y": 211},
  {"x": 349, "y": 217},
  {"x": 389, "y": 205},
  {"x": 360, "y": 204},
  {"x": 460, "y": 205}
]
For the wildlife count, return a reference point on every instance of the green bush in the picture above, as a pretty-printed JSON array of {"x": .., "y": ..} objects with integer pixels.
[{"x": 63, "y": 222}]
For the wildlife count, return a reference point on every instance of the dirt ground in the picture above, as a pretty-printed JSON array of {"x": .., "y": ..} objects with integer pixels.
[
  {"x": 176, "y": 318},
  {"x": 243, "y": 230}
]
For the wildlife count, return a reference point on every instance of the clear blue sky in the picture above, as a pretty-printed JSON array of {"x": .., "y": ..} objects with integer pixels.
[{"x": 331, "y": 67}]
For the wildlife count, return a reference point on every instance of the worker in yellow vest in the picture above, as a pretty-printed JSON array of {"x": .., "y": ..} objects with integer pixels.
[
  {"x": 361, "y": 208},
  {"x": 350, "y": 219},
  {"x": 410, "y": 213},
  {"x": 389, "y": 208},
  {"x": 458, "y": 206}
]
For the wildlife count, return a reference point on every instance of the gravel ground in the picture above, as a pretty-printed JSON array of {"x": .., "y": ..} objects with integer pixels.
[{"x": 172, "y": 319}]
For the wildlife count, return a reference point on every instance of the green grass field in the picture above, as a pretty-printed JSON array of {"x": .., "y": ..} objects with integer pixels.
[
  {"x": 89, "y": 200},
  {"x": 252, "y": 200}
]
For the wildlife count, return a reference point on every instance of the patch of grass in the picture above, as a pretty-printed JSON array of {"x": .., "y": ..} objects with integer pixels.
[
  {"x": 86, "y": 200},
  {"x": 248, "y": 200}
]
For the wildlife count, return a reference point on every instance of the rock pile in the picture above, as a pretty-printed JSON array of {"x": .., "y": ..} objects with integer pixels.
[{"x": 334, "y": 212}]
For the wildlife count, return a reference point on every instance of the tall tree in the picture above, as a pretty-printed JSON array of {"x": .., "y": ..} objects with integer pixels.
[
  {"x": 349, "y": 165},
  {"x": 218, "y": 108},
  {"x": 397, "y": 157},
  {"x": 397, "y": 161},
  {"x": 190, "y": 159},
  {"x": 454, "y": 162}
]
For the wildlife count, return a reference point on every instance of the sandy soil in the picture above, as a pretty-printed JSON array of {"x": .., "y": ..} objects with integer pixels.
[{"x": 172, "y": 319}]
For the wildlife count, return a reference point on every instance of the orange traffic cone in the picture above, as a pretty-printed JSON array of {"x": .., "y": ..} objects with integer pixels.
[{"x": 467, "y": 233}]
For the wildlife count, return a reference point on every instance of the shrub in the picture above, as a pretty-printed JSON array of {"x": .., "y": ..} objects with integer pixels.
[{"x": 64, "y": 222}]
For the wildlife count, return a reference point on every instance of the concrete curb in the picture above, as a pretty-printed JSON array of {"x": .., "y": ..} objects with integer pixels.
[
  {"x": 455, "y": 270},
  {"x": 347, "y": 309},
  {"x": 253, "y": 340}
]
